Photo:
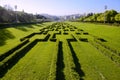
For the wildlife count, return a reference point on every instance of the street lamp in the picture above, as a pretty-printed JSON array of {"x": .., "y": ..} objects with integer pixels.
[
  {"x": 104, "y": 13},
  {"x": 16, "y": 13}
]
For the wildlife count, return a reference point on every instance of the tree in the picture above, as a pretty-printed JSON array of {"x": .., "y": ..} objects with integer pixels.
[
  {"x": 7, "y": 15},
  {"x": 109, "y": 15},
  {"x": 117, "y": 17},
  {"x": 89, "y": 14},
  {"x": 100, "y": 18},
  {"x": 95, "y": 17}
]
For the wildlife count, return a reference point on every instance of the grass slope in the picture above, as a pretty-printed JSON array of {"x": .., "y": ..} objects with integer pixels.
[
  {"x": 71, "y": 57},
  {"x": 95, "y": 65},
  {"x": 110, "y": 33},
  {"x": 35, "y": 65},
  {"x": 10, "y": 37}
]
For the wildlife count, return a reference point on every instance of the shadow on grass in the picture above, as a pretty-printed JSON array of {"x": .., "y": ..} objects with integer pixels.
[
  {"x": 76, "y": 61},
  {"x": 21, "y": 28},
  {"x": 60, "y": 64},
  {"x": 18, "y": 55},
  {"x": 24, "y": 27},
  {"x": 5, "y": 35},
  {"x": 30, "y": 26},
  {"x": 39, "y": 25},
  {"x": 9, "y": 63}
]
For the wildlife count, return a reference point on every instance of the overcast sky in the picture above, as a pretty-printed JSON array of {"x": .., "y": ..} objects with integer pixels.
[{"x": 62, "y": 7}]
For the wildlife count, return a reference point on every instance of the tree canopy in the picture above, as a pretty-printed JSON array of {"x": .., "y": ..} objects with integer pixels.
[
  {"x": 109, "y": 16},
  {"x": 7, "y": 15}
]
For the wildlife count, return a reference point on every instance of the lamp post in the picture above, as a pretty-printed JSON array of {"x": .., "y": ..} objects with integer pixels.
[
  {"x": 104, "y": 13},
  {"x": 16, "y": 14}
]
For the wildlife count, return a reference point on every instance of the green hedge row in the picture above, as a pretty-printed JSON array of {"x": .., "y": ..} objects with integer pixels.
[
  {"x": 30, "y": 35},
  {"x": 45, "y": 39},
  {"x": 73, "y": 39},
  {"x": 12, "y": 59},
  {"x": 83, "y": 39},
  {"x": 9, "y": 52}
]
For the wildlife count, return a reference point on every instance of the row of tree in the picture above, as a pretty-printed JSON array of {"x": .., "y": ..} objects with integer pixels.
[
  {"x": 7, "y": 15},
  {"x": 109, "y": 16}
]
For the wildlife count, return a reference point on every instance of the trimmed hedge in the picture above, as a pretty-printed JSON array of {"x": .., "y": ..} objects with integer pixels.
[
  {"x": 83, "y": 39},
  {"x": 86, "y": 33},
  {"x": 12, "y": 59},
  {"x": 9, "y": 52},
  {"x": 53, "y": 37},
  {"x": 78, "y": 33},
  {"x": 72, "y": 40},
  {"x": 65, "y": 33},
  {"x": 30, "y": 35},
  {"x": 45, "y": 39}
]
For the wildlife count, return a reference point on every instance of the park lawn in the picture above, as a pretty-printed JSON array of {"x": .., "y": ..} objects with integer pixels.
[
  {"x": 107, "y": 32},
  {"x": 69, "y": 58},
  {"x": 10, "y": 37},
  {"x": 35, "y": 65},
  {"x": 95, "y": 65},
  {"x": 37, "y": 37}
]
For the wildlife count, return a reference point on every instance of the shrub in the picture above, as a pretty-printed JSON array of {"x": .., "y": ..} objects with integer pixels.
[
  {"x": 83, "y": 39},
  {"x": 86, "y": 33},
  {"x": 9, "y": 52}
]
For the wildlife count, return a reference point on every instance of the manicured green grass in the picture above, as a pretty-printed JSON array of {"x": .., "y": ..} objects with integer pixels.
[
  {"x": 109, "y": 33},
  {"x": 35, "y": 65},
  {"x": 10, "y": 37},
  {"x": 95, "y": 65},
  {"x": 65, "y": 52}
]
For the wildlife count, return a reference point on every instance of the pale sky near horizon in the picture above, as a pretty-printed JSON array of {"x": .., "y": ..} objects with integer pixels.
[{"x": 62, "y": 7}]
